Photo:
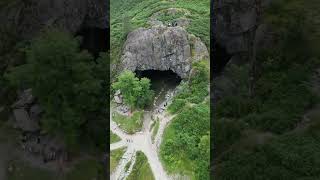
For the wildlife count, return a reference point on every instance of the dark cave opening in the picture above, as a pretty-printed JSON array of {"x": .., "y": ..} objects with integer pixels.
[
  {"x": 160, "y": 78},
  {"x": 95, "y": 40},
  {"x": 161, "y": 82},
  {"x": 220, "y": 59}
]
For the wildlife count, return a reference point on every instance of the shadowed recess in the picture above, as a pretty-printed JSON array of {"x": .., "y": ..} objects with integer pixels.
[{"x": 95, "y": 40}]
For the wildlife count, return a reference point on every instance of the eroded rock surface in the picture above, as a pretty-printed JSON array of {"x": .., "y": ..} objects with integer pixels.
[
  {"x": 162, "y": 48},
  {"x": 30, "y": 16},
  {"x": 234, "y": 19}
]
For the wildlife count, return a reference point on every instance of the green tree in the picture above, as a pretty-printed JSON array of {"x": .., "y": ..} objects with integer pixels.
[
  {"x": 136, "y": 93},
  {"x": 145, "y": 95},
  {"x": 70, "y": 86}
]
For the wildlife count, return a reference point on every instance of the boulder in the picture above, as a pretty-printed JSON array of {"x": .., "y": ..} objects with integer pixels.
[
  {"x": 118, "y": 92},
  {"x": 24, "y": 122},
  {"x": 200, "y": 51},
  {"x": 233, "y": 19},
  {"x": 117, "y": 99},
  {"x": 26, "y": 98},
  {"x": 35, "y": 112}
]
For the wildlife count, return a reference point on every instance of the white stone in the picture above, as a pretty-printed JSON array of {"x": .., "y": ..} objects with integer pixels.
[{"x": 117, "y": 99}]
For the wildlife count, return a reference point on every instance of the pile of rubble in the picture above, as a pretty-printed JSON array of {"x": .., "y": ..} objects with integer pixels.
[
  {"x": 121, "y": 108},
  {"x": 44, "y": 147},
  {"x": 26, "y": 117},
  {"x": 118, "y": 97},
  {"x": 26, "y": 112},
  {"x": 168, "y": 99}
]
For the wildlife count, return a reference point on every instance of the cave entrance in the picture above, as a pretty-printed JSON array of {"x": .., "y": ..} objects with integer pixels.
[
  {"x": 161, "y": 82},
  {"x": 221, "y": 58},
  {"x": 95, "y": 40}
]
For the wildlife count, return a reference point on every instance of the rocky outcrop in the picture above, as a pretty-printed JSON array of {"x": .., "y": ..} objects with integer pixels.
[
  {"x": 26, "y": 112},
  {"x": 162, "y": 48},
  {"x": 28, "y": 17},
  {"x": 234, "y": 19},
  {"x": 118, "y": 97}
]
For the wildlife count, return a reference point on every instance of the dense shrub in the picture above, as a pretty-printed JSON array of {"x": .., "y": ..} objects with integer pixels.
[{"x": 186, "y": 139}]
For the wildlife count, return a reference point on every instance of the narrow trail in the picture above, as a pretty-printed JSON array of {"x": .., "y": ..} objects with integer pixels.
[
  {"x": 164, "y": 121},
  {"x": 120, "y": 170},
  {"x": 133, "y": 161},
  {"x": 140, "y": 141}
]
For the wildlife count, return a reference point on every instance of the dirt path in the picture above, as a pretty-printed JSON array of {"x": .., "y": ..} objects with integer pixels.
[
  {"x": 140, "y": 141},
  {"x": 164, "y": 121}
]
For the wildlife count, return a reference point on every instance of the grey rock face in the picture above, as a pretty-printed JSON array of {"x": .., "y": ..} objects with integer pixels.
[
  {"x": 25, "y": 98},
  {"x": 199, "y": 49},
  {"x": 234, "y": 19},
  {"x": 29, "y": 17},
  {"x": 35, "y": 112},
  {"x": 24, "y": 122},
  {"x": 160, "y": 48},
  {"x": 26, "y": 113}
]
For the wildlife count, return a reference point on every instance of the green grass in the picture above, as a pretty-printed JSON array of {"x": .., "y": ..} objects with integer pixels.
[
  {"x": 166, "y": 17},
  {"x": 115, "y": 157},
  {"x": 130, "y": 124},
  {"x": 155, "y": 129},
  {"x": 114, "y": 138},
  {"x": 127, "y": 166},
  {"x": 23, "y": 171},
  {"x": 141, "y": 169}
]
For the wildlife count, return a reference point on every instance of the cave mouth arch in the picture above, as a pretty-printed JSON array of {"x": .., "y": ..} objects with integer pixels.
[
  {"x": 161, "y": 81},
  {"x": 159, "y": 78},
  {"x": 94, "y": 39}
]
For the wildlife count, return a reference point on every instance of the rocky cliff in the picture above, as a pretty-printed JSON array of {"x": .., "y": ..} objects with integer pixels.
[
  {"x": 234, "y": 20},
  {"x": 162, "y": 48},
  {"x": 28, "y": 17}
]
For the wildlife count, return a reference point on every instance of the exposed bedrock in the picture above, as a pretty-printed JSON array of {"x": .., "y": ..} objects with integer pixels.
[
  {"x": 234, "y": 19},
  {"x": 162, "y": 48},
  {"x": 28, "y": 17},
  {"x": 234, "y": 23}
]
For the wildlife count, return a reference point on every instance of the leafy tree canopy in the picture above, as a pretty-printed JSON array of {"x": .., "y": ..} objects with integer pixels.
[
  {"x": 136, "y": 92},
  {"x": 68, "y": 83}
]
